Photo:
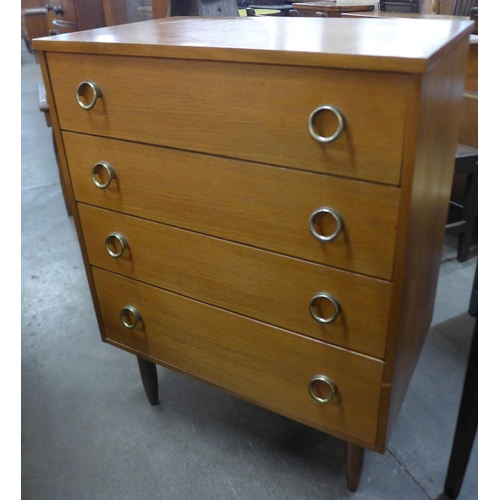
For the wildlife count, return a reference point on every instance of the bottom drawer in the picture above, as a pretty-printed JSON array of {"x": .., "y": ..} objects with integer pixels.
[{"x": 266, "y": 365}]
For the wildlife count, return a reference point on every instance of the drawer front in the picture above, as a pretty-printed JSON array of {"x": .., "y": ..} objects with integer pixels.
[
  {"x": 270, "y": 287},
  {"x": 249, "y": 111},
  {"x": 259, "y": 205},
  {"x": 265, "y": 365}
]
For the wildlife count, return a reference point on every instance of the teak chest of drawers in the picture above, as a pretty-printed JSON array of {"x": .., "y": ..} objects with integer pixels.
[{"x": 261, "y": 202}]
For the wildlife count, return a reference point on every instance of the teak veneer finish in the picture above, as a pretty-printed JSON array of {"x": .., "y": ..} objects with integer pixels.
[
  {"x": 205, "y": 123},
  {"x": 259, "y": 284},
  {"x": 213, "y": 185},
  {"x": 267, "y": 365},
  {"x": 263, "y": 123}
]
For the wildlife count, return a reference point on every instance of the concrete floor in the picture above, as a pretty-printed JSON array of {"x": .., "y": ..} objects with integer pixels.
[{"x": 88, "y": 431}]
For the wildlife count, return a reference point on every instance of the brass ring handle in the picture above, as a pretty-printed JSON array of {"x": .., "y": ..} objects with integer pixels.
[
  {"x": 131, "y": 312},
  {"x": 328, "y": 381},
  {"x": 110, "y": 174},
  {"x": 335, "y": 215},
  {"x": 96, "y": 93},
  {"x": 332, "y": 300},
  {"x": 113, "y": 237},
  {"x": 340, "y": 127}
]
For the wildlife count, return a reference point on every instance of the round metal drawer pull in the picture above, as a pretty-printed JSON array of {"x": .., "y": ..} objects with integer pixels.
[
  {"x": 340, "y": 127},
  {"x": 110, "y": 174},
  {"x": 130, "y": 313},
  {"x": 332, "y": 300},
  {"x": 80, "y": 92},
  {"x": 326, "y": 380},
  {"x": 335, "y": 215},
  {"x": 112, "y": 239}
]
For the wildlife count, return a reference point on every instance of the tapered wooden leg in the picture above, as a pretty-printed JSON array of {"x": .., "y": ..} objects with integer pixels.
[
  {"x": 353, "y": 461},
  {"x": 149, "y": 378}
]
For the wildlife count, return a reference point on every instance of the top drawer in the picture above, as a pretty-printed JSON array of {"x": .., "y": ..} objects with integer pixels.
[{"x": 255, "y": 112}]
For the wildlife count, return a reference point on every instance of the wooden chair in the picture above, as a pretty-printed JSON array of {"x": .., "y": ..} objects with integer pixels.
[
  {"x": 462, "y": 216},
  {"x": 466, "y": 428}
]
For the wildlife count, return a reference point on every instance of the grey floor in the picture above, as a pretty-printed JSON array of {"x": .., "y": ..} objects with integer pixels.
[{"x": 88, "y": 431}]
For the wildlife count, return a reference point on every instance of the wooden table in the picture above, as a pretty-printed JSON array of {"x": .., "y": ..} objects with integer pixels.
[
  {"x": 271, "y": 221},
  {"x": 401, "y": 15},
  {"x": 330, "y": 9}
]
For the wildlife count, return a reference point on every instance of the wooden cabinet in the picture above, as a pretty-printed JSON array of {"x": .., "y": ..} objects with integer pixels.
[
  {"x": 66, "y": 16},
  {"x": 264, "y": 210},
  {"x": 33, "y": 25}
]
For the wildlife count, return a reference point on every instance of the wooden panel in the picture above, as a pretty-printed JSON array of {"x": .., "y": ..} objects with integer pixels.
[
  {"x": 259, "y": 284},
  {"x": 212, "y": 196},
  {"x": 209, "y": 107},
  {"x": 362, "y": 44},
  {"x": 430, "y": 157},
  {"x": 33, "y": 25},
  {"x": 115, "y": 12},
  {"x": 160, "y": 8},
  {"x": 264, "y": 364},
  {"x": 89, "y": 14},
  {"x": 468, "y": 130},
  {"x": 32, "y": 4},
  {"x": 472, "y": 75}
]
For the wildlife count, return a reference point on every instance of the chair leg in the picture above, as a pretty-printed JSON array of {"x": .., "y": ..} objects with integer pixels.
[
  {"x": 469, "y": 215},
  {"x": 149, "y": 377},
  {"x": 466, "y": 429},
  {"x": 353, "y": 461}
]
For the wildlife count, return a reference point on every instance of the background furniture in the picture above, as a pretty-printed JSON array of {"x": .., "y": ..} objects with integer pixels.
[
  {"x": 66, "y": 16},
  {"x": 204, "y": 8},
  {"x": 462, "y": 214},
  {"x": 464, "y": 194},
  {"x": 329, "y": 9},
  {"x": 467, "y": 420},
  {"x": 44, "y": 107},
  {"x": 127, "y": 11},
  {"x": 313, "y": 300},
  {"x": 400, "y": 5},
  {"x": 33, "y": 25},
  {"x": 274, "y": 10}
]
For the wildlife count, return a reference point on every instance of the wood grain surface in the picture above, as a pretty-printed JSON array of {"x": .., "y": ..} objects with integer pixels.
[
  {"x": 210, "y": 107},
  {"x": 266, "y": 364},
  {"x": 263, "y": 206},
  {"x": 259, "y": 284},
  {"x": 393, "y": 45}
]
